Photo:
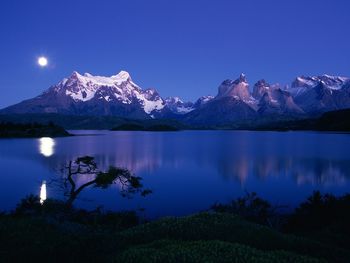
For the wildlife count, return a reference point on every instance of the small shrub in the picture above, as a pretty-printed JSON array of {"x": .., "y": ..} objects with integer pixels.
[{"x": 253, "y": 208}]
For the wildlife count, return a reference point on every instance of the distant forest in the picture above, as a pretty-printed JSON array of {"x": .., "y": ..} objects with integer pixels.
[{"x": 30, "y": 130}]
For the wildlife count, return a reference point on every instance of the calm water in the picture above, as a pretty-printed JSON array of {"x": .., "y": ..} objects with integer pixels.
[{"x": 187, "y": 171}]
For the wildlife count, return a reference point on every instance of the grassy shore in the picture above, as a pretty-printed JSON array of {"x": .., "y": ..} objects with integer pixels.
[
  {"x": 57, "y": 233},
  {"x": 205, "y": 237}
]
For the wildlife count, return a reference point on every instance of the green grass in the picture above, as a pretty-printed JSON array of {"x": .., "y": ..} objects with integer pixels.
[
  {"x": 166, "y": 251},
  {"x": 229, "y": 228},
  {"x": 204, "y": 237}
]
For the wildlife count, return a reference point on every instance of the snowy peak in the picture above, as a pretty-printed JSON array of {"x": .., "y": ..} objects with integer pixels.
[
  {"x": 151, "y": 94},
  {"x": 173, "y": 100},
  {"x": 77, "y": 83},
  {"x": 202, "y": 101},
  {"x": 238, "y": 88},
  {"x": 242, "y": 78},
  {"x": 264, "y": 99},
  {"x": 304, "y": 81},
  {"x": 176, "y": 105},
  {"x": 321, "y": 93},
  {"x": 118, "y": 79},
  {"x": 332, "y": 82},
  {"x": 122, "y": 76},
  {"x": 117, "y": 88}
]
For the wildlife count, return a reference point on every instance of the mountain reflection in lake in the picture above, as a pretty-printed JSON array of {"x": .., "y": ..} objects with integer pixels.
[{"x": 187, "y": 171}]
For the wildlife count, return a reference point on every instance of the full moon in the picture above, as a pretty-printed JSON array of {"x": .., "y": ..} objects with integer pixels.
[{"x": 42, "y": 61}]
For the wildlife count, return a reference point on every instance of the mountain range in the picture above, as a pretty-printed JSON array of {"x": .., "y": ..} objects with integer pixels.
[{"x": 235, "y": 102}]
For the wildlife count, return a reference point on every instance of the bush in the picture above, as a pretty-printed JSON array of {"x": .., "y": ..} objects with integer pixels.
[
  {"x": 56, "y": 210},
  {"x": 253, "y": 208},
  {"x": 319, "y": 211},
  {"x": 323, "y": 217}
]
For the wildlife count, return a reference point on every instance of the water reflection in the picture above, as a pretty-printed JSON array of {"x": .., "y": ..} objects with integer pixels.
[
  {"x": 43, "y": 192},
  {"x": 240, "y": 157},
  {"x": 311, "y": 171},
  {"x": 188, "y": 169},
  {"x": 47, "y": 146}
]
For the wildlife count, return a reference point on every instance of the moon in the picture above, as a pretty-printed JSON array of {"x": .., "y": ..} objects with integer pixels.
[{"x": 42, "y": 61}]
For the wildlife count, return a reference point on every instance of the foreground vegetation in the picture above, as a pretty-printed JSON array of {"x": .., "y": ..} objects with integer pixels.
[{"x": 318, "y": 231}]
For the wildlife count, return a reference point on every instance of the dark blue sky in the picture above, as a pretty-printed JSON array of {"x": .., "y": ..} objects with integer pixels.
[{"x": 179, "y": 47}]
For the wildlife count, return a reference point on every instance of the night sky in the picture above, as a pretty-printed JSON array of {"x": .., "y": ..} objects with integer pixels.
[{"x": 182, "y": 48}]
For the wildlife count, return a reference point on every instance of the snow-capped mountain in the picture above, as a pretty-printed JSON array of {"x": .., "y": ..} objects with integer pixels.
[
  {"x": 238, "y": 89},
  {"x": 307, "y": 96},
  {"x": 97, "y": 95},
  {"x": 176, "y": 105},
  {"x": 118, "y": 95},
  {"x": 202, "y": 101},
  {"x": 321, "y": 93},
  {"x": 233, "y": 103},
  {"x": 117, "y": 88},
  {"x": 303, "y": 83},
  {"x": 272, "y": 99}
]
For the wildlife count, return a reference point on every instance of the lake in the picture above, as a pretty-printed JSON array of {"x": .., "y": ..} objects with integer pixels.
[{"x": 188, "y": 171}]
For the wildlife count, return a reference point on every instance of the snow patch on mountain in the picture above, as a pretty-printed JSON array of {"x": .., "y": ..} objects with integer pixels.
[
  {"x": 176, "y": 105},
  {"x": 150, "y": 105},
  {"x": 303, "y": 83},
  {"x": 202, "y": 101}
]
